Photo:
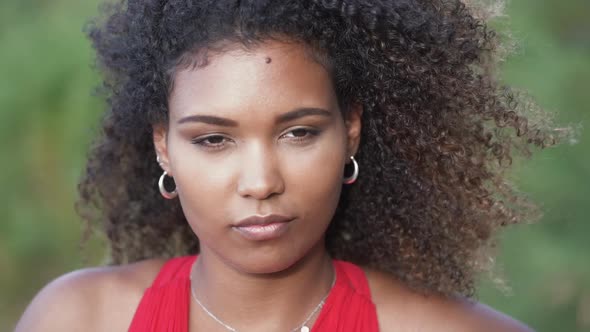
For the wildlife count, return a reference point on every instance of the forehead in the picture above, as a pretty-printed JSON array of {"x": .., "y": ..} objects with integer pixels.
[{"x": 273, "y": 76}]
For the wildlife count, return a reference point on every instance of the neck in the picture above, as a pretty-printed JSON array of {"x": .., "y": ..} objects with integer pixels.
[{"x": 274, "y": 301}]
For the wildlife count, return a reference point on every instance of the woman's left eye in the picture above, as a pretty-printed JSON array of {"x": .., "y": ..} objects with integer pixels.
[{"x": 302, "y": 134}]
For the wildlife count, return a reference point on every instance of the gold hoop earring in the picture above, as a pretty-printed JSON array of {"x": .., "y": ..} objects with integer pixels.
[{"x": 351, "y": 179}]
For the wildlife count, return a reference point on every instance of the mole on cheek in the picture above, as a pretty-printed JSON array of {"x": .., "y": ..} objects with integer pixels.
[{"x": 267, "y": 60}]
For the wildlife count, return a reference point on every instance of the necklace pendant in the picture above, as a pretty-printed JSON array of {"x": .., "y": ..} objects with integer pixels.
[{"x": 304, "y": 329}]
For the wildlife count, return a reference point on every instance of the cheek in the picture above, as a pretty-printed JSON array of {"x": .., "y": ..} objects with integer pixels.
[
  {"x": 315, "y": 179},
  {"x": 204, "y": 187}
]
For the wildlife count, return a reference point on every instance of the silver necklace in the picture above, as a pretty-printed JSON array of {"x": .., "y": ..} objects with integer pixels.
[{"x": 302, "y": 327}]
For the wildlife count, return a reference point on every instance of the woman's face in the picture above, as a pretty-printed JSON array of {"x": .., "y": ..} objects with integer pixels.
[{"x": 255, "y": 133}]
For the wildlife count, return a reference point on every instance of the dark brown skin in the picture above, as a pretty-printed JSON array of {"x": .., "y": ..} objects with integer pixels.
[{"x": 259, "y": 167}]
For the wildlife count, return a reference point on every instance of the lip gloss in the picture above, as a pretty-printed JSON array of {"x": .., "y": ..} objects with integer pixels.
[{"x": 262, "y": 232}]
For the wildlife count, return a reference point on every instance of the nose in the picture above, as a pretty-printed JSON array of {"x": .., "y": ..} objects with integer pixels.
[{"x": 260, "y": 174}]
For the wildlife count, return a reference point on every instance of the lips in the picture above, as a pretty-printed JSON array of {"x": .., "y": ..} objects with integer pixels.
[
  {"x": 262, "y": 220},
  {"x": 261, "y": 228}
]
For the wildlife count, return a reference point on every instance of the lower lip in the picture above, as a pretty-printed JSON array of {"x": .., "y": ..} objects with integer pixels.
[{"x": 263, "y": 232}]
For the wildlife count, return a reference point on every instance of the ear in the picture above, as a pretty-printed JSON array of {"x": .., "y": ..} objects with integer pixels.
[
  {"x": 161, "y": 146},
  {"x": 353, "y": 124}
]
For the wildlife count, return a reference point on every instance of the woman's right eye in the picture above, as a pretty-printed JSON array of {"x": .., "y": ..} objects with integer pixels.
[{"x": 212, "y": 142}]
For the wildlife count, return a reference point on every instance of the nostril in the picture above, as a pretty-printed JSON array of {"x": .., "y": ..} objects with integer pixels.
[
  {"x": 260, "y": 174},
  {"x": 260, "y": 190},
  {"x": 261, "y": 185}
]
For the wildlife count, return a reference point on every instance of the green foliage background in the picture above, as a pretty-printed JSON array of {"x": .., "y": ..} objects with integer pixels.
[{"x": 48, "y": 116}]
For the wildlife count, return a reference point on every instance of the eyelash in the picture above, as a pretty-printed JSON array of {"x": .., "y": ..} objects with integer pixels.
[{"x": 201, "y": 141}]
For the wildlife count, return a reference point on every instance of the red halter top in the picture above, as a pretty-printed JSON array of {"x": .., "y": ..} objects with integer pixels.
[{"x": 165, "y": 305}]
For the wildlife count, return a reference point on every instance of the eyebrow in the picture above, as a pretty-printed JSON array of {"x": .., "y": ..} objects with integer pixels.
[{"x": 286, "y": 117}]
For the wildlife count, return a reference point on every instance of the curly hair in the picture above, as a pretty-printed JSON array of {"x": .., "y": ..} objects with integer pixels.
[{"x": 439, "y": 130}]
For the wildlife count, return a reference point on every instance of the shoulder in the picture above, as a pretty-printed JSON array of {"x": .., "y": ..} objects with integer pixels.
[
  {"x": 92, "y": 299},
  {"x": 401, "y": 309}
]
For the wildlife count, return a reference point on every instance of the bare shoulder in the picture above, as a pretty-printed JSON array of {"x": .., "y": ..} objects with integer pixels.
[
  {"x": 92, "y": 299},
  {"x": 400, "y": 309}
]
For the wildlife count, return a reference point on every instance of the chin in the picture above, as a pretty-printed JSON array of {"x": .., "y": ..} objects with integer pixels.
[{"x": 261, "y": 261}]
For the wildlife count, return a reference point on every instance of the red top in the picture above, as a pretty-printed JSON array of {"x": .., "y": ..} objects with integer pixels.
[{"x": 165, "y": 305}]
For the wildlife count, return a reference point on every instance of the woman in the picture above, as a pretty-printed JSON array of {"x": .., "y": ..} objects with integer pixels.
[{"x": 340, "y": 163}]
